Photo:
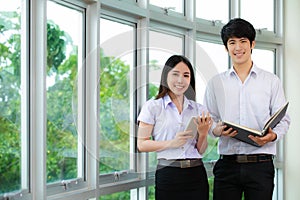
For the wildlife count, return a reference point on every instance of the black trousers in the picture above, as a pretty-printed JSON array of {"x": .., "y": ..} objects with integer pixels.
[
  {"x": 232, "y": 179},
  {"x": 174, "y": 183}
]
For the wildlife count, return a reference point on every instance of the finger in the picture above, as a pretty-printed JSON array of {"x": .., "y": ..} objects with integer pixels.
[
  {"x": 187, "y": 132},
  {"x": 208, "y": 118},
  {"x": 234, "y": 133},
  {"x": 187, "y": 136},
  {"x": 202, "y": 117}
]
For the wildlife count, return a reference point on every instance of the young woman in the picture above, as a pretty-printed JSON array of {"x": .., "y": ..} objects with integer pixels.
[{"x": 180, "y": 172}]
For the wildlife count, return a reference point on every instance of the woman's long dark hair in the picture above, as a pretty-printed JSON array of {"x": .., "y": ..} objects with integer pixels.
[{"x": 190, "y": 93}]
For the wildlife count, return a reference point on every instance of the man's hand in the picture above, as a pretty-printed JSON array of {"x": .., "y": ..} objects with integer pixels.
[
  {"x": 220, "y": 130},
  {"x": 261, "y": 141}
]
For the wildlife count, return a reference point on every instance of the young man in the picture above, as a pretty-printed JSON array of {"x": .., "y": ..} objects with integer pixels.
[{"x": 246, "y": 95}]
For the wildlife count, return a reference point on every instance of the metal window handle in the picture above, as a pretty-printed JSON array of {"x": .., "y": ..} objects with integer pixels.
[
  {"x": 117, "y": 175},
  {"x": 166, "y": 10},
  {"x": 65, "y": 183}
]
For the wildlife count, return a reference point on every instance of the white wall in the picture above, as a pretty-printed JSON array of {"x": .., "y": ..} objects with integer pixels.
[{"x": 292, "y": 83}]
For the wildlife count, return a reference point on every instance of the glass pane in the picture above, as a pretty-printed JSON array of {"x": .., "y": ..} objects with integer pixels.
[
  {"x": 162, "y": 46},
  {"x": 64, "y": 49},
  {"x": 217, "y": 10},
  {"x": 118, "y": 195},
  {"x": 175, "y": 5},
  {"x": 264, "y": 59},
  {"x": 10, "y": 96},
  {"x": 264, "y": 13},
  {"x": 211, "y": 59},
  {"x": 116, "y": 62}
]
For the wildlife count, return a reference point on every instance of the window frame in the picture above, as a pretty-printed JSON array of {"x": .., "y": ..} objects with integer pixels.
[{"x": 71, "y": 185}]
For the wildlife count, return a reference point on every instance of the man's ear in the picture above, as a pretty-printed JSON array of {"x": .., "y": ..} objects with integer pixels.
[{"x": 253, "y": 44}]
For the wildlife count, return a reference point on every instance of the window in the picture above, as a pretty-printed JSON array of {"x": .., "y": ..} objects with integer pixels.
[
  {"x": 214, "y": 10},
  {"x": 64, "y": 93},
  {"x": 174, "y": 5},
  {"x": 117, "y": 62},
  {"x": 264, "y": 13},
  {"x": 87, "y": 98},
  {"x": 13, "y": 125},
  {"x": 211, "y": 59},
  {"x": 162, "y": 46},
  {"x": 264, "y": 59}
]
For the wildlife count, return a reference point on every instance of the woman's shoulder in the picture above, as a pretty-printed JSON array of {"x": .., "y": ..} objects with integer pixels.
[{"x": 153, "y": 104}]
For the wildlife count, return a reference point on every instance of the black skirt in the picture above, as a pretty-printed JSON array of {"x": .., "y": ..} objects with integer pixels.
[{"x": 181, "y": 183}]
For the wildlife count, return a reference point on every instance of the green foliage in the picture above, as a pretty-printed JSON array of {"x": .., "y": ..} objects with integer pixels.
[
  {"x": 61, "y": 101},
  {"x": 56, "y": 46},
  {"x": 116, "y": 196},
  {"x": 9, "y": 156},
  {"x": 10, "y": 152},
  {"x": 114, "y": 114}
]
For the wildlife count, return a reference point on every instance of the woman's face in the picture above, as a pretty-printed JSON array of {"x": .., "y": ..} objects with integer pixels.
[{"x": 179, "y": 79}]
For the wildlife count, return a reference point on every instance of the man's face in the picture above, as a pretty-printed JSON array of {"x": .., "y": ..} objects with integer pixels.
[{"x": 239, "y": 50}]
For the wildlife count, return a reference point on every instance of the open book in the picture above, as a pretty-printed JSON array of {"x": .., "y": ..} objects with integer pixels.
[{"x": 244, "y": 131}]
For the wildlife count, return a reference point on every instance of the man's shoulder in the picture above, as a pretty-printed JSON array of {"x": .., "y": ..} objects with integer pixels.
[
  {"x": 218, "y": 77},
  {"x": 266, "y": 75}
]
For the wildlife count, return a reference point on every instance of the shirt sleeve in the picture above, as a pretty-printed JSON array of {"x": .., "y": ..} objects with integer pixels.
[
  {"x": 210, "y": 104},
  {"x": 146, "y": 115},
  {"x": 277, "y": 101}
]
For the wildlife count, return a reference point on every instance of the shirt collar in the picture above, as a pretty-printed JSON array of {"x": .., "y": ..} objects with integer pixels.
[
  {"x": 167, "y": 100},
  {"x": 254, "y": 70}
]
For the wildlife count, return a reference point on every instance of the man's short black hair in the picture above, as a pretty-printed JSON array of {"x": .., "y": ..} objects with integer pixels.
[{"x": 239, "y": 28}]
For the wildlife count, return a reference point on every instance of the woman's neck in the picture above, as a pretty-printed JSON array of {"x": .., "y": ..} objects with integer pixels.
[{"x": 178, "y": 101}]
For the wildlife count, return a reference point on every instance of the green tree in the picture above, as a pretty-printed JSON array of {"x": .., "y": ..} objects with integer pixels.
[
  {"x": 61, "y": 126},
  {"x": 114, "y": 114},
  {"x": 9, "y": 101}
]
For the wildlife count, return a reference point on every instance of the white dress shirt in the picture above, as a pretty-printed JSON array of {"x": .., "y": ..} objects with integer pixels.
[
  {"x": 250, "y": 104},
  {"x": 163, "y": 114}
]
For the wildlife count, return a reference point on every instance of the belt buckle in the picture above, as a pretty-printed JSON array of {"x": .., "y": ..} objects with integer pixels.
[
  {"x": 185, "y": 163},
  {"x": 242, "y": 159}
]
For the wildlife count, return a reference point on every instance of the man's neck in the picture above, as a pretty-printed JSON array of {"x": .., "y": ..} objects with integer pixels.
[{"x": 243, "y": 70}]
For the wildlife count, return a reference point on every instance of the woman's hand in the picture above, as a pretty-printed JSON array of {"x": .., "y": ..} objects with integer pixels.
[
  {"x": 204, "y": 122},
  {"x": 180, "y": 139}
]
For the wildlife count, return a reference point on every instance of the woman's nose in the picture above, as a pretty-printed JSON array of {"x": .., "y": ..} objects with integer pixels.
[{"x": 180, "y": 79}]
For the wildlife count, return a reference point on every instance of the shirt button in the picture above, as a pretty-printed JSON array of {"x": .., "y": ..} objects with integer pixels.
[{"x": 182, "y": 148}]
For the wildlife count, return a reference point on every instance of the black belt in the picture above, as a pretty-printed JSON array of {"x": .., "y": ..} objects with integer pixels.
[
  {"x": 182, "y": 163},
  {"x": 252, "y": 158}
]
